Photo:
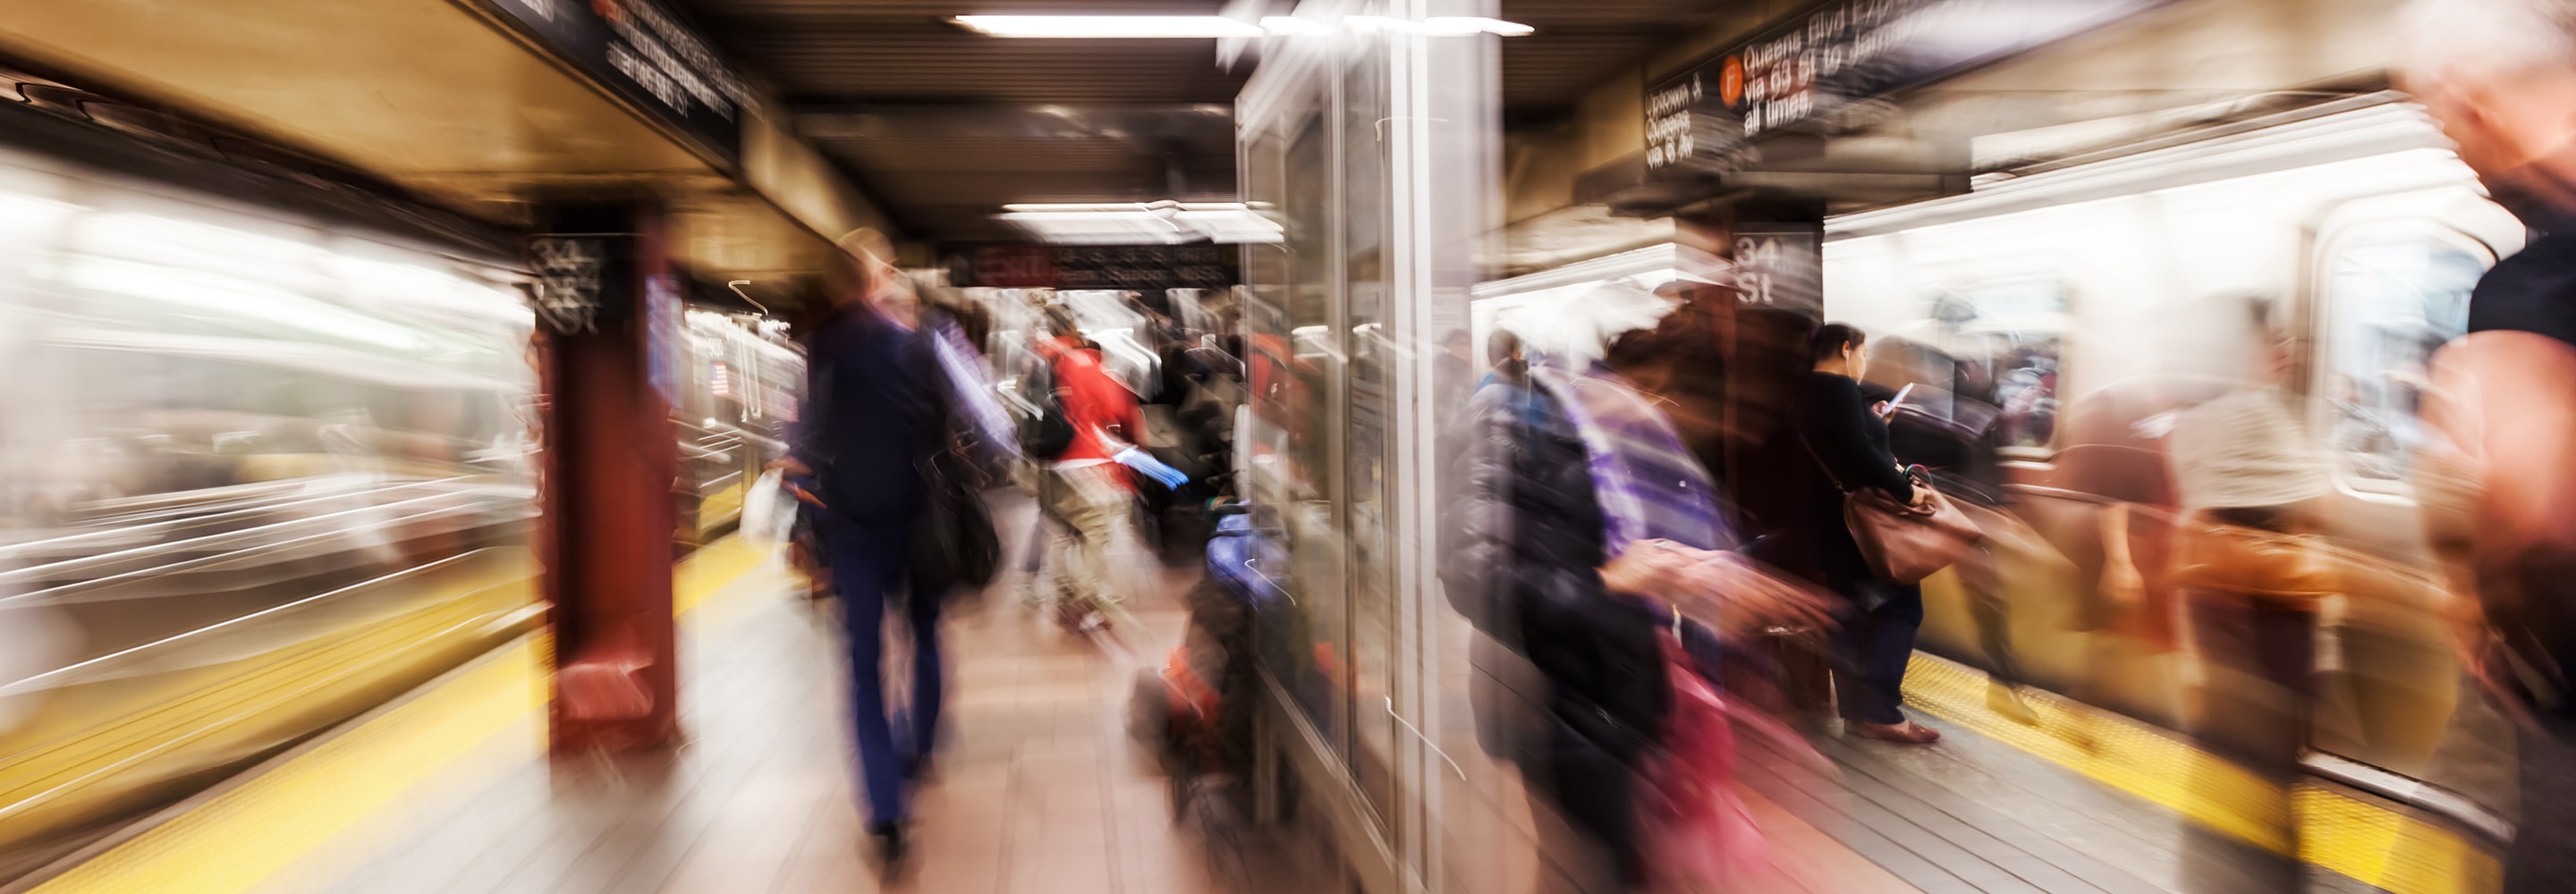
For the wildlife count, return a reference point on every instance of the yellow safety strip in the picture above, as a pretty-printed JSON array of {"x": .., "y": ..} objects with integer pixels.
[
  {"x": 2359, "y": 839},
  {"x": 245, "y": 835}
]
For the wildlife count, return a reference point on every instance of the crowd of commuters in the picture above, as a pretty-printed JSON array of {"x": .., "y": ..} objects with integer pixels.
[
  {"x": 1679, "y": 505},
  {"x": 901, "y": 405}
]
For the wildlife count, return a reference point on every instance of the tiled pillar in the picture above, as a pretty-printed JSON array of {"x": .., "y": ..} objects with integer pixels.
[{"x": 610, "y": 458}]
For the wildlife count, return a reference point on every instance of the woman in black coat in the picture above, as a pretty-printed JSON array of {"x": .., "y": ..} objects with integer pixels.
[{"x": 1846, "y": 441}]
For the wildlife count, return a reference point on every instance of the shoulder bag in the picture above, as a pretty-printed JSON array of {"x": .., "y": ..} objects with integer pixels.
[{"x": 1903, "y": 543}]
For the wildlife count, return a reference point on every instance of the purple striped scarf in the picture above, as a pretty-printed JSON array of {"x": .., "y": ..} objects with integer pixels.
[{"x": 1648, "y": 483}]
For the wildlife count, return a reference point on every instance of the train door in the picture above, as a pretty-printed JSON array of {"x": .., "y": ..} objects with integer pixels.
[{"x": 2388, "y": 283}]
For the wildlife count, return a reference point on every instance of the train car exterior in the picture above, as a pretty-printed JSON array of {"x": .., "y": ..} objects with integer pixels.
[{"x": 2102, "y": 296}]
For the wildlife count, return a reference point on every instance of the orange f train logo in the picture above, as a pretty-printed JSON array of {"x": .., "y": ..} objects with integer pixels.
[
  {"x": 611, "y": 10},
  {"x": 1730, "y": 80}
]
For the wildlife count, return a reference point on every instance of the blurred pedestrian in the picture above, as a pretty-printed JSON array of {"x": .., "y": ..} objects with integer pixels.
[
  {"x": 1846, "y": 440},
  {"x": 1938, "y": 425},
  {"x": 1453, "y": 374},
  {"x": 1576, "y": 525},
  {"x": 2500, "y": 76},
  {"x": 1083, "y": 488},
  {"x": 2250, "y": 557},
  {"x": 872, "y": 413}
]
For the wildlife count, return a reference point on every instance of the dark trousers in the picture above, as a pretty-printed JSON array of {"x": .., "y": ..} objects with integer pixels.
[
  {"x": 868, "y": 567},
  {"x": 2544, "y": 845},
  {"x": 1979, "y": 576},
  {"x": 1877, "y": 642},
  {"x": 1593, "y": 794},
  {"x": 2259, "y": 656}
]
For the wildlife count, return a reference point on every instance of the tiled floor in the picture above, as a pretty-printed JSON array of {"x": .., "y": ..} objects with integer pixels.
[{"x": 1038, "y": 789}]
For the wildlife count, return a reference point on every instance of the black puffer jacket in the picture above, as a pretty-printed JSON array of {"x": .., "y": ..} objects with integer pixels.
[{"x": 1520, "y": 553}]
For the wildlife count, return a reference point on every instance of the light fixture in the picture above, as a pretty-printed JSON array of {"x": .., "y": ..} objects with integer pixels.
[
  {"x": 1156, "y": 223},
  {"x": 1291, "y": 26},
  {"x": 1442, "y": 26},
  {"x": 1214, "y": 27},
  {"x": 1149, "y": 27}
]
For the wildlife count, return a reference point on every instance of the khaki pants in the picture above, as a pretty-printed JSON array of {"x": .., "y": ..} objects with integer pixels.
[{"x": 1088, "y": 502}]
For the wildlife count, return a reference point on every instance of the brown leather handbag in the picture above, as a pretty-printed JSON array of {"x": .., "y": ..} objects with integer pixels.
[
  {"x": 1903, "y": 543},
  {"x": 1906, "y": 543},
  {"x": 2213, "y": 555}
]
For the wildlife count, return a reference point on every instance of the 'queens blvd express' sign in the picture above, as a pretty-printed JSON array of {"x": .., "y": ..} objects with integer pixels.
[{"x": 1710, "y": 118}]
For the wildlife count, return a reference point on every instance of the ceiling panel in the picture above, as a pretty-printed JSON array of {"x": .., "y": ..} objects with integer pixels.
[{"x": 936, "y": 122}]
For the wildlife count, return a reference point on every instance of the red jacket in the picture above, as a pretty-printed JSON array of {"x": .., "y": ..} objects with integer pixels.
[{"x": 1095, "y": 404}]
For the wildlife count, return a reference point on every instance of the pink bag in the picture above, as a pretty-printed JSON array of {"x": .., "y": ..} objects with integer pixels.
[{"x": 1694, "y": 830}]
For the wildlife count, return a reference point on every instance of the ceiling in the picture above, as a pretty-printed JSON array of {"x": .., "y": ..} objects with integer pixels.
[{"x": 943, "y": 126}]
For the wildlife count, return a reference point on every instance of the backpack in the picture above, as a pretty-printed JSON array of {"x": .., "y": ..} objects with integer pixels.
[{"x": 1047, "y": 433}]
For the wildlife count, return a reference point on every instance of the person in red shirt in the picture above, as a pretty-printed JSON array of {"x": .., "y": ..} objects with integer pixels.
[{"x": 1083, "y": 488}]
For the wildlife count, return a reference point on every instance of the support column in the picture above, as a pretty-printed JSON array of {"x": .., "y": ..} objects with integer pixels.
[{"x": 608, "y": 309}]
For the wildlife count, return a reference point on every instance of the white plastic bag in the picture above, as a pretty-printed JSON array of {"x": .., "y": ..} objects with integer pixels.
[{"x": 768, "y": 510}]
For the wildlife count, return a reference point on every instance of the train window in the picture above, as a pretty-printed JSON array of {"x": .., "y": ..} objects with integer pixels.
[
  {"x": 2009, "y": 336},
  {"x": 2391, "y": 301}
]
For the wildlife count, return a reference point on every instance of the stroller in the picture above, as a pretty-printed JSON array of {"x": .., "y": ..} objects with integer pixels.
[{"x": 1196, "y": 710}]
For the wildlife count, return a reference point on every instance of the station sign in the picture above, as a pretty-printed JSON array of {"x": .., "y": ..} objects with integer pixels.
[
  {"x": 645, "y": 52},
  {"x": 1780, "y": 265},
  {"x": 1139, "y": 268},
  {"x": 1827, "y": 63}
]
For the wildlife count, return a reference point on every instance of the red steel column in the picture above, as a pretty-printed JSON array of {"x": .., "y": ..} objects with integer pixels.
[{"x": 610, "y": 458}]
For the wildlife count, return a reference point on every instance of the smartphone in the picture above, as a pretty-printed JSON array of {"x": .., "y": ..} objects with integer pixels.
[{"x": 1898, "y": 400}]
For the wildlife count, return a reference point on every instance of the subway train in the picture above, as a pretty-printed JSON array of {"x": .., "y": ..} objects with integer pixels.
[
  {"x": 260, "y": 473},
  {"x": 2099, "y": 296}
]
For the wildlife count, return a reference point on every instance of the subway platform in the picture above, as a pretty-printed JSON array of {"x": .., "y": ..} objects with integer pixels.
[{"x": 1040, "y": 788}]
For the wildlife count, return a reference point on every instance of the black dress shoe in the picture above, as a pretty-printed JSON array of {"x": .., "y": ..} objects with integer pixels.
[{"x": 893, "y": 843}]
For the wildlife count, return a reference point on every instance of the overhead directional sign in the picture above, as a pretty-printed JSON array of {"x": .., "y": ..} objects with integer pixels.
[
  {"x": 1712, "y": 118},
  {"x": 648, "y": 54}
]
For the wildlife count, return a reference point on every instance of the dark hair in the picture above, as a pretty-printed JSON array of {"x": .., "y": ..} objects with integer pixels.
[
  {"x": 1828, "y": 341},
  {"x": 1635, "y": 348},
  {"x": 1501, "y": 345}
]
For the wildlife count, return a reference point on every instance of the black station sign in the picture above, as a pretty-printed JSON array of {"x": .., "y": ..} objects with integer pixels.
[
  {"x": 1138, "y": 268},
  {"x": 643, "y": 51},
  {"x": 1823, "y": 63}
]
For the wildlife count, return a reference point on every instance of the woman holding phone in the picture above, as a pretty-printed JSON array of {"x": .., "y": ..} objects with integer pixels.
[{"x": 1846, "y": 442}]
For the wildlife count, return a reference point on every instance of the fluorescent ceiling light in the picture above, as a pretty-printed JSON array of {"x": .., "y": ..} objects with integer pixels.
[
  {"x": 1476, "y": 25},
  {"x": 1159, "y": 223},
  {"x": 1291, "y": 26},
  {"x": 1443, "y": 26},
  {"x": 1209, "y": 27},
  {"x": 1111, "y": 26}
]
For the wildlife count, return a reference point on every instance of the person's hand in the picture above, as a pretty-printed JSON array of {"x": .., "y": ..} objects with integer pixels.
[
  {"x": 788, "y": 465},
  {"x": 806, "y": 497},
  {"x": 1745, "y": 598},
  {"x": 1643, "y": 569},
  {"x": 1881, "y": 409},
  {"x": 2123, "y": 586},
  {"x": 1921, "y": 497}
]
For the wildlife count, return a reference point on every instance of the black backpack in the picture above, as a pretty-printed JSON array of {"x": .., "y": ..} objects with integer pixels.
[{"x": 1048, "y": 433}]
